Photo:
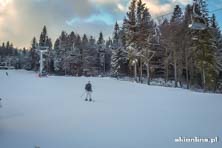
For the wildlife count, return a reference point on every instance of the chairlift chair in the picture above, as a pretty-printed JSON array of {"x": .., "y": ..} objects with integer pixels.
[
  {"x": 197, "y": 25},
  {"x": 198, "y": 22}
]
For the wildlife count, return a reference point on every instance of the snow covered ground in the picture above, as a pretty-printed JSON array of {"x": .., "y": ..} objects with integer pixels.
[{"x": 50, "y": 113}]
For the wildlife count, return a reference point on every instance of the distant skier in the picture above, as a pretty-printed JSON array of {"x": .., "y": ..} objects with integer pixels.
[
  {"x": 88, "y": 89},
  {"x": 6, "y": 73},
  {"x": 0, "y": 102}
]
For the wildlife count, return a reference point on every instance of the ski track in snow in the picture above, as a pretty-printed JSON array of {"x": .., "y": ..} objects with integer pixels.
[{"x": 50, "y": 113}]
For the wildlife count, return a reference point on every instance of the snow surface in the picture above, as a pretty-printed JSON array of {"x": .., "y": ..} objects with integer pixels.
[{"x": 50, "y": 113}]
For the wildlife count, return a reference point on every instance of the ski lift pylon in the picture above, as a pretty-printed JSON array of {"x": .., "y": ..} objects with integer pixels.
[{"x": 42, "y": 50}]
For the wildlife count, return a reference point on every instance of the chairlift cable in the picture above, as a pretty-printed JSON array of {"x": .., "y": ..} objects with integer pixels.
[
  {"x": 166, "y": 14},
  {"x": 215, "y": 10}
]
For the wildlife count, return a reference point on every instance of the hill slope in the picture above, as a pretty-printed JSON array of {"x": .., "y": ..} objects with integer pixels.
[{"x": 50, "y": 113}]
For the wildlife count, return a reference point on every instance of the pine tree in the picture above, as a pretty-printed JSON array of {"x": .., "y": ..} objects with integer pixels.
[
  {"x": 43, "y": 38},
  {"x": 119, "y": 59},
  {"x": 56, "y": 45},
  {"x": 109, "y": 43},
  {"x": 119, "y": 55},
  {"x": 165, "y": 43},
  {"x": 85, "y": 40},
  {"x": 141, "y": 33},
  {"x": 204, "y": 60},
  {"x": 149, "y": 43},
  {"x": 101, "y": 40},
  {"x": 177, "y": 15},
  {"x": 3, "y": 45},
  {"x": 186, "y": 43},
  {"x": 34, "y": 55},
  {"x": 130, "y": 24},
  {"x": 116, "y": 37},
  {"x": 101, "y": 54},
  {"x": 218, "y": 51},
  {"x": 64, "y": 41},
  {"x": 85, "y": 52},
  {"x": 108, "y": 56},
  {"x": 61, "y": 47},
  {"x": 49, "y": 44},
  {"x": 115, "y": 47},
  {"x": 50, "y": 60},
  {"x": 90, "y": 58},
  {"x": 130, "y": 31},
  {"x": 72, "y": 38},
  {"x": 176, "y": 37},
  {"x": 204, "y": 51},
  {"x": 140, "y": 9},
  {"x": 57, "y": 64},
  {"x": 78, "y": 41}
]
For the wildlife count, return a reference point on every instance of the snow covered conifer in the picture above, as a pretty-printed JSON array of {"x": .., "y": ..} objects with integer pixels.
[
  {"x": 43, "y": 37},
  {"x": 34, "y": 55},
  {"x": 176, "y": 37},
  {"x": 101, "y": 53}
]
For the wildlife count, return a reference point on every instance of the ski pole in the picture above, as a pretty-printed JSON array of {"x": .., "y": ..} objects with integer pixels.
[{"x": 83, "y": 94}]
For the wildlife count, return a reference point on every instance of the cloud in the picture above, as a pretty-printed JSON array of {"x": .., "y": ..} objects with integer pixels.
[
  {"x": 7, "y": 16},
  {"x": 121, "y": 7},
  {"x": 183, "y": 2},
  {"x": 21, "y": 20},
  {"x": 93, "y": 28},
  {"x": 158, "y": 7}
]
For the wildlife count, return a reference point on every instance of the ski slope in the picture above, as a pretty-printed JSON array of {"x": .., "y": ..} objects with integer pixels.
[{"x": 50, "y": 113}]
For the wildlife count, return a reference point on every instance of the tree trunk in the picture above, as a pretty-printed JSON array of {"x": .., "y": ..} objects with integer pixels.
[
  {"x": 167, "y": 71},
  {"x": 148, "y": 73},
  {"x": 175, "y": 69},
  {"x": 166, "y": 64},
  {"x": 141, "y": 70},
  {"x": 204, "y": 78},
  {"x": 187, "y": 70},
  {"x": 135, "y": 72}
]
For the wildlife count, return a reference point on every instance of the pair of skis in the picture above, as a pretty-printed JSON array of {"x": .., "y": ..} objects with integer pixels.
[{"x": 89, "y": 100}]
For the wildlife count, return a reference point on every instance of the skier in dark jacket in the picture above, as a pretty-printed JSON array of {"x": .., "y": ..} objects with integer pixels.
[{"x": 88, "y": 89}]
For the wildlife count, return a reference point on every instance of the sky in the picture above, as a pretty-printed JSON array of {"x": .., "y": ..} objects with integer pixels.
[{"x": 21, "y": 20}]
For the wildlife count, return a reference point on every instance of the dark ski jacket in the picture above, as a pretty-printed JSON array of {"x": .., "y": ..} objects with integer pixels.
[{"x": 88, "y": 87}]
